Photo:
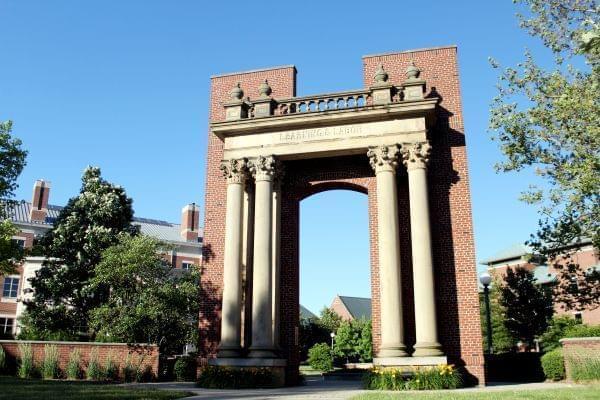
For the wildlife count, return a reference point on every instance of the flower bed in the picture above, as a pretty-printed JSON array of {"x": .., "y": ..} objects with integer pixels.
[{"x": 418, "y": 378}]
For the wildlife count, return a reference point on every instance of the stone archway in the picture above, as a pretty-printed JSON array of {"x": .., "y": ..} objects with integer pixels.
[{"x": 394, "y": 141}]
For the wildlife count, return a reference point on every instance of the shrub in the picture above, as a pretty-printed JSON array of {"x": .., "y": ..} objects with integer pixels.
[
  {"x": 50, "y": 368},
  {"x": 556, "y": 331},
  {"x": 185, "y": 369},
  {"x": 584, "y": 366},
  {"x": 94, "y": 369},
  {"x": 111, "y": 369},
  {"x": 319, "y": 357},
  {"x": 553, "y": 364},
  {"x": 74, "y": 365},
  {"x": 214, "y": 377},
  {"x": 583, "y": 331},
  {"x": 428, "y": 378},
  {"x": 26, "y": 364}
]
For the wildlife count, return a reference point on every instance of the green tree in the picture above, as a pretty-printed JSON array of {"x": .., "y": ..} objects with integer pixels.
[
  {"x": 329, "y": 319},
  {"x": 353, "y": 341},
  {"x": 311, "y": 332},
  {"x": 547, "y": 119},
  {"x": 528, "y": 306},
  {"x": 502, "y": 339},
  {"x": 148, "y": 300},
  {"x": 90, "y": 223},
  {"x": 12, "y": 162},
  {"x": 11, "y": 254}
]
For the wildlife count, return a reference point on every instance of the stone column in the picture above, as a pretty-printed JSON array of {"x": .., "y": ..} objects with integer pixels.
[
  {"x": 230, "y": 346},
  {"x": 262, "y": 345},
  {"x": 384, "y": 160},
  {"x": 415, "y": 157}
]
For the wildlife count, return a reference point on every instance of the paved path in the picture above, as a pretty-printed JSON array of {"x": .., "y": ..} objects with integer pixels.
[{"x": 316, "y": 388}]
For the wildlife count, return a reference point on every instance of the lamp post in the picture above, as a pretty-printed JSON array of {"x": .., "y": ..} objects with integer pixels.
[
  {"x": 485, "y": 280},
  {"x": 332, "y": 334}
]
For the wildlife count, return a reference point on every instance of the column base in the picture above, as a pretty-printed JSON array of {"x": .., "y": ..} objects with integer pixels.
[
  {"x": 393, "y": 351},
  {"x": 409, "y": 361},
  {"x": 229, "y": 352},
  {"x": 428, "y": 349},
  {"x": 262, "y": 353},
  {"x": 276, "y": 366}
]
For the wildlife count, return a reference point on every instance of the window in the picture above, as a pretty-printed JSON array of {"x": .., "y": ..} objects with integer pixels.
[
  {"x": 19, "y": 242},
  {"x": 578, "y": 317},
  {"x": 6, "y": 326},
  {"x": 187, "y": 265},
  {"x": 11, "y": 286}
]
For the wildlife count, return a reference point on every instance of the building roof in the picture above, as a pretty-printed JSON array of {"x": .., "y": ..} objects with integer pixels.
[
  {"x": 358, "y": 307},
  {"x": 161, "y": 230},
  {"x": 514, "y": 252},
  {"x": 305, "y": 313},
  {"x": 542, "y": 274}
]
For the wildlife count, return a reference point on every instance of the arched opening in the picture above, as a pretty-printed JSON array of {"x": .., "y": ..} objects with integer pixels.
[{"x": 335, "y": 271}]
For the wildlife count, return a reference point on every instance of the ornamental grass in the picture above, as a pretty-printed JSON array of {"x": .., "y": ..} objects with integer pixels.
[{"x": 420, "y": 378}]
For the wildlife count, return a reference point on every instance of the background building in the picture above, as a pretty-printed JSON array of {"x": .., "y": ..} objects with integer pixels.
[
  {"x": 33, "y": 219},
  {"x": 520, "y": 255},
  {"x": 351, "y": 308}
]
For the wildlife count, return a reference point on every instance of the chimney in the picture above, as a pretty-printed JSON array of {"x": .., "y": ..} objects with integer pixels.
[
  {"x": 39, "y": 202},
  {"x": 190, "y": 217}
]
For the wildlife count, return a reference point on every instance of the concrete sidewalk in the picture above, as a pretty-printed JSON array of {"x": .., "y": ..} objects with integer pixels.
[{"x": 317, "y": 388}]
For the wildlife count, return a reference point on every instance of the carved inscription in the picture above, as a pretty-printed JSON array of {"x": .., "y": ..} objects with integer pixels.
[{"x": 319, "y": 133}]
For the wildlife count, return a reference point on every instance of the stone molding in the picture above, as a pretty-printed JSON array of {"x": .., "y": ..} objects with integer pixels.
[
  {"x": 235, "y": 170},
  {"x": 415, "y": 155},
  {"x": 384, "y": 158},
  {"x": 264, "y": 168}
]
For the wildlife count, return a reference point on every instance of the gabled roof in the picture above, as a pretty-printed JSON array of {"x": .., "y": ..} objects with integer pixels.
[
  {"x": 305, "y": 313},
  {"x": 161, "y": 230},
  {"x": 514, "y": 252},
  {"x": 358, "y": 307}
]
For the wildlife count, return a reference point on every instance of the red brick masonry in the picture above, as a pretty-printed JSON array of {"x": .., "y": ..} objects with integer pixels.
[
  {"x": 449, "y": 202},
  {"x": 579, "y": 349},
  {"x": 144, "y": 355}
]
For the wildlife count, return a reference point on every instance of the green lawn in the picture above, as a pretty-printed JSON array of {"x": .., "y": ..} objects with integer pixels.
[
  {"x": 579, "y": 393},
  {"x": 14, "y": 388}
]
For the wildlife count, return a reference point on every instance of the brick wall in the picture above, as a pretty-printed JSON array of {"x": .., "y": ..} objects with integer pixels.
[
  {"x": 283, "y": 84},
  {"x": 580, "y": 350},
  {"x": 147, "y": 356},
  {"x": 454, "y": 255}
]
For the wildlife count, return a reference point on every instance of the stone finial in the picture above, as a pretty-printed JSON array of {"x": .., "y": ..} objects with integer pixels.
[
  {"x": 384, "y": 158},
  {"x": 412, "y": 72},
  {"x": 235, "y": 170},
  {"x": 264, "y": 90},
  {"x": 381, "y": 76},
  {"x": 236, "y": 93},
  {"x": 415, "y": 155}
]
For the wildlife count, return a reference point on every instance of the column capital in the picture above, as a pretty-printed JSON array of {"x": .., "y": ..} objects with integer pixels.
[
  {"x": 384, "y": 158},
  {"x": 415, "y": 155},
  {"x": 235, "y": 170},
  {"x": 265, "y": 168}
]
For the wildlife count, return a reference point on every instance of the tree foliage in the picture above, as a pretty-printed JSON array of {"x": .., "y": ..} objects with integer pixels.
[
  {"x": 528, "y": 306},
  {"x": 547, "y": 119},
  {"x": 353, "y": 341},
  {"x": 148, "y": 300},
  {"x": 11, "y": 253},
  {"x": 12, "y": 161},
  {"x": 329, "y": 319},
  {"x": 90, "y": 223},
  {"x": 557, "y": 330}
]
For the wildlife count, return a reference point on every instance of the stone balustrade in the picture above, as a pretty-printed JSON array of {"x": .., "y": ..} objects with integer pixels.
[{"x": 381, "y": 93}]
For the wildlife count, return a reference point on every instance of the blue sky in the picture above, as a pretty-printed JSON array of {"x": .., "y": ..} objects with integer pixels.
[{"x": 124, "y": 85}]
